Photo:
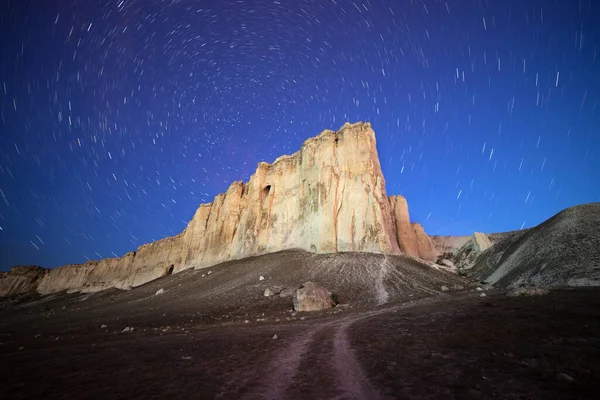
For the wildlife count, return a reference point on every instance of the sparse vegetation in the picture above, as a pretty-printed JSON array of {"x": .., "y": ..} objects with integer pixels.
[{"x": 335, "y": 298}]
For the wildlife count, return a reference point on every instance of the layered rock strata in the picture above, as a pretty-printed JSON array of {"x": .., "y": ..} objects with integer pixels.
[{"x": 328, "y": 197}]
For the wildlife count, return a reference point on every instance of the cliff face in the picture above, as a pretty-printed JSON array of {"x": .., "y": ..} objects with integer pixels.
[
  {"x": 412, "y": 239},
  {"x": 427, "y": 250},
  {"x": 328, "y": 197},
  {"x": 21, "y": 279},
  {"x": 405, "y": 235}
]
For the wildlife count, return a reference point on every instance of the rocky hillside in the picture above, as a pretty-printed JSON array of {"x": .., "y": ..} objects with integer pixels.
[
  {"x": 236, "y": 288},
  {"x": 460, "y": 253},
  {"x": 562, "y": 251}
]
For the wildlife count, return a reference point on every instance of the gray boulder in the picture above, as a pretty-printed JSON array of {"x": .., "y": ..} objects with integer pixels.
[{"x": 312, "y": 297}]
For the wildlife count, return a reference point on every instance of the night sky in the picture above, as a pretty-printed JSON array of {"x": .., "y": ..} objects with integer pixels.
[{"x": 118, "y": 118}]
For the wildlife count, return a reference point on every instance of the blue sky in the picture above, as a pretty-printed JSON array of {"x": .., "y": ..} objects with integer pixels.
[{"x": 118, "y": 118}]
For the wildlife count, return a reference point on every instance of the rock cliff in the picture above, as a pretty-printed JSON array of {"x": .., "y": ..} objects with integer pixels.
[
  {"x": 328, "y": 197},
  {"x": 411, "y": 237},
  {"x": 21, "y": 279}
]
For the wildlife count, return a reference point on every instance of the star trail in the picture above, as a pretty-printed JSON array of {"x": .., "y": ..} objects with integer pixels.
[{"x": 118, "y": 118}]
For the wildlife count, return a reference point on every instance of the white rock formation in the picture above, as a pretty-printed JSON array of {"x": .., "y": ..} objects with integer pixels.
[{"x": 328, "y": 197}]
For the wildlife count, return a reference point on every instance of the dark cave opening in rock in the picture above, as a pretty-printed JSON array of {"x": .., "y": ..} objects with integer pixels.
[{"x": 266, "y": 191}]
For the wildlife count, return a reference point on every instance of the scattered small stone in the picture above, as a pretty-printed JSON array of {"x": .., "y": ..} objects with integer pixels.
[
  {"x": 103, "y": 326},
  {"x": 261, "y": 278},
  {"x": 21, "y": 348},
  {"x": 287, "y": 292},
  {"x": 260, "y": 319},
  {"x": 186, "y": 357},
  {"x": 159, "y": 291},
  {"x": 275, "y": 336},
  {"x": 37, "y": 336},
  {"x": 269, "y": 292},
  {"x": 203, "y": 275},
  {"x": 458, "y": 287},
  {"x": 444, "y": 288},
  {"x": 482, "y": 295},
  {"x": 246, "y": 322},
  {"x": 565, "y": 378},
  {"x": 127, "y": 329},
  {"x": 478, "y": 289},
  {"x": 209, "y": 272}
]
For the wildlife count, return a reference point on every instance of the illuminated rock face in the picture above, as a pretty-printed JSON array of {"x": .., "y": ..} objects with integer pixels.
[
  {"x": 412, "y": 239},
  {"x": 406, "y": 236},
  {"x": 425, "y": 245},
  {"x": 328, "y": 197}
]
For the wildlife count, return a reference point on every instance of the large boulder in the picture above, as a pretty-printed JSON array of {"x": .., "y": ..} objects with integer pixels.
[{"x": 312, "y": 297}]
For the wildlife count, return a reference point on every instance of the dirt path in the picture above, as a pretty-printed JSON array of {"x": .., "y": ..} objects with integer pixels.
[
  {"x": 350, "y": 376},
  {"x": 284, "y": 367},
  {"x": 282, "y": 376},
  {"x": 332, "y": 369}
]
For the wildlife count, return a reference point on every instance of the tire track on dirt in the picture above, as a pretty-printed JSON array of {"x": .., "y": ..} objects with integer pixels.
[
  {"x": 282, "y": 373},
  {"x": 351, "y": 378},
  {"x": 279, "y": 376}
]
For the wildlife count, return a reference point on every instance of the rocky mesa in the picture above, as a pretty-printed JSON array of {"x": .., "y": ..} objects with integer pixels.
[{"x": 328, "y": 197}]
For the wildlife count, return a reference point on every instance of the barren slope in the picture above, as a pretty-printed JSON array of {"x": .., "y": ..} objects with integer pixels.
[
  {"x": 233, "y": 290},
  {"x": 562, "y": 251}
]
